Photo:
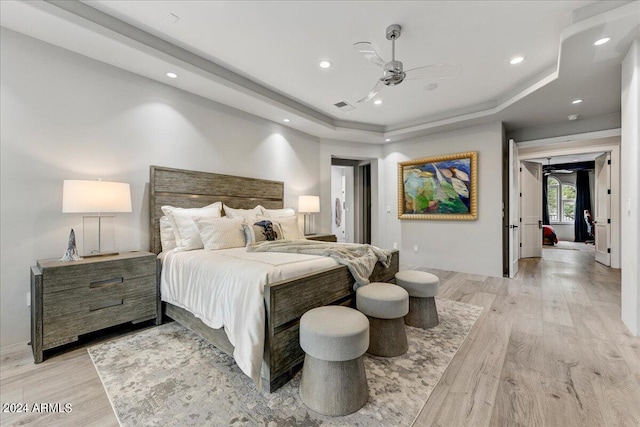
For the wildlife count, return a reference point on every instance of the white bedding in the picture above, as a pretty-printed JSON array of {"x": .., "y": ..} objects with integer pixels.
[{"x": 226, "y": 288}]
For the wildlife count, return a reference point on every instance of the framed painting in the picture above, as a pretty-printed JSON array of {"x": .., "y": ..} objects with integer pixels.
[{"x": 441, "y": 187}]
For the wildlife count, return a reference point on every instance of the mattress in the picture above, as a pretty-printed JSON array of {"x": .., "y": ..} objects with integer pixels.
[{"x": 225, "y": 288}]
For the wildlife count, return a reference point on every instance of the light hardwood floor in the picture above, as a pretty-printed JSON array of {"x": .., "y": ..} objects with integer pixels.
[{"x": 548, "y": 350}]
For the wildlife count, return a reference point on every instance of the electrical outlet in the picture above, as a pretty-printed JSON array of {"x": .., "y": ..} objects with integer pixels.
[
  {"x": 395, "y": 245},
  {"x": 415, "y": 248},
  {"x": 28, "y": 299}
]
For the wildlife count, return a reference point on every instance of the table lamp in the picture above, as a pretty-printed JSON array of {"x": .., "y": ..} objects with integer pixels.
[
  {"x": 97, "y": 198},
  {"x": 308, "y": 205}
]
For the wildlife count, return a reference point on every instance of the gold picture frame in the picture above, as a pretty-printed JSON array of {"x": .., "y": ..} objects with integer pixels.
[{"x": 439, "y": 187}]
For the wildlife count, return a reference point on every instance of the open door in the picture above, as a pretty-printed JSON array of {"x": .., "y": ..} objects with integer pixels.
[
  {"x": 603, "y": 209},
  {"x": 514, "y": 209},
  {"x": 531, "y": 209}
]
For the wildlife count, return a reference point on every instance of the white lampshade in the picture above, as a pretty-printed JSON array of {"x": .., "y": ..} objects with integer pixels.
[
  {"x": 95, "y": 196},
  {"x": 308, "y": 204}
]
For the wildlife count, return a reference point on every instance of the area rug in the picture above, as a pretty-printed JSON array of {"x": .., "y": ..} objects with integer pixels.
[{"x": 169, "y": 376}]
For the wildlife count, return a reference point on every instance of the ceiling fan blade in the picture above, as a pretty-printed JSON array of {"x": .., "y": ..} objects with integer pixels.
[
  {"x": 367, "y": 50},
  {"x": 435, "y": 72},
  {"x": 376, "y": 89}
]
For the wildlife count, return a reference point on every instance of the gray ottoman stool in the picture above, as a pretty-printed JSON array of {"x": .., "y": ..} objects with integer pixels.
[
  {"x": 334, "y": 339},
  {"x": 385, "y": 304},
  {"x": 422, "y": 288}
]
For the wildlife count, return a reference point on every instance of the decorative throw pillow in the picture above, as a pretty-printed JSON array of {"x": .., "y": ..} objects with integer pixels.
[
  {"x": 289, "y": 226},
  {"x": 220, "y": 233},
  {"x": 249, "y": 215},
  {"x": 261, "y": 231},
  {"x": 167, "y": 237},
  {"x": 279, "y": 213},
  {"x": 185, "y": 230}
]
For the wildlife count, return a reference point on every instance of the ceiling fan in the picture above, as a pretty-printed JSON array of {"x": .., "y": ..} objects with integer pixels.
[
  {"x": 548, "y": 170},
  {"x": 393, "y": 74}
]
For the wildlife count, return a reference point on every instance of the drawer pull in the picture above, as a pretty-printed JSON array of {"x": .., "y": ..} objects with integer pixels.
[
  {"x": 106, "y": 282},
  {"x": 106, "y": 304}
]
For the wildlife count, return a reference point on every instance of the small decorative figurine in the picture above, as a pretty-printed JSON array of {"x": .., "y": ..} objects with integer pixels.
[{"x": 72, "y": 253}]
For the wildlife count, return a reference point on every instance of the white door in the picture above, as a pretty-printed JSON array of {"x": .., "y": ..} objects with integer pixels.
[
  {"x": 531, "y": 209},
  {"x": 338, "y": 188},
  {"x": 602, "y": 215},
  {"x": 514, "y": 209}
]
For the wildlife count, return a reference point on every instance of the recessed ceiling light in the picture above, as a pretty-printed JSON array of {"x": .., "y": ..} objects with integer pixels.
[
  {"x": 378, "y": 101},
  {"x": 387, "y": 140},
  {"x": 601, "y": 41},
  {"x": 172, "y": 75},
  {"x": 573, "y": 117},
  {"x": 286, "y": 120},
  {"x": 516, "y": 60},
  {"x": 325, "y": 64},
  {"x": 576, "y": 101}
]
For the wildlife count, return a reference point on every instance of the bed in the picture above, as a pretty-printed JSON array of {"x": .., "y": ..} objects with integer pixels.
[{"x": 286, "y": 300}]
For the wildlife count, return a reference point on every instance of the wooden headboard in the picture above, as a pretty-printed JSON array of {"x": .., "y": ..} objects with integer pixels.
[{"x": 193, "y": 189}]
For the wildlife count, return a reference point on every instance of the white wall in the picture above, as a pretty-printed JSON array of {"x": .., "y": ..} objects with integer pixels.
[
  {"x": 465, "y": 246},
  {"x": 65, "y": 116},
  {"x": 630, "y": 188}
]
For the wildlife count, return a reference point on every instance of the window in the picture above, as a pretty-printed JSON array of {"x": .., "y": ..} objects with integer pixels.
[{"x": 561, "y": 200}]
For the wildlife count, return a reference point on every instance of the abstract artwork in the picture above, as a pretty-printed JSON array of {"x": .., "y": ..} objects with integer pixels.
[{"x": 441, "y": 187}]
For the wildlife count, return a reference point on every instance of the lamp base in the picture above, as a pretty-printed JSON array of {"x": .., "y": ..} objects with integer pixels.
[
  {"x": 309, "y": 224},
  {"x": 98, "y": 235},
  {"x": 100, "y": 254}
]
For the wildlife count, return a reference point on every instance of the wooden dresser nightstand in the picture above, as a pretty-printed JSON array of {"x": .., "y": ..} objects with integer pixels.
[
  {"x": 69, "y": 299},
  {"x": 322, "y": 237}
]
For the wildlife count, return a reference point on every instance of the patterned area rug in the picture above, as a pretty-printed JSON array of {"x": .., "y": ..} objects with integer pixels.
[{"x": 168, "y": 376}]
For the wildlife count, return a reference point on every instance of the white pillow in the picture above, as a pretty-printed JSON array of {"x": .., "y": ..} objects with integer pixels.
[
  {"x": 279, "y": 213},
  {"x": 289, "y": 226},
  {"x": 249, "y": 215},
  {"x": 185, "y": 230},
  {"x": 220, "y": 233},
  {"x": 167, "y": 237}
]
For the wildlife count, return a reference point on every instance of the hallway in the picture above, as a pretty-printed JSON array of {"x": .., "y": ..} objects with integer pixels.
[{"x": 549, "y": 350}]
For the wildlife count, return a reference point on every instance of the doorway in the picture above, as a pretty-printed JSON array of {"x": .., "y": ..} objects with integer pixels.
[
  {"x": 351, "y": 202},
  {"x": 541, "y": 150}
]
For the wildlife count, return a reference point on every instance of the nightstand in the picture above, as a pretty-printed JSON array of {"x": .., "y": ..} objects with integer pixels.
[
  {"x": 322, "y": 237},
  {"x": 69, "y": 299}
]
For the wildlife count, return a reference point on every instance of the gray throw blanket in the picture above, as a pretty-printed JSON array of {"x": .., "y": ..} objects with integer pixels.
[{"x": 359, "y": 259}]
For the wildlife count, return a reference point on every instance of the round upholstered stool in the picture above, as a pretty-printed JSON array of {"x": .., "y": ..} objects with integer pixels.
[
  {"x": 385, "y": 304},
  {"x": 422, "y": 288},
  {"x": 334, "y": 338}
]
